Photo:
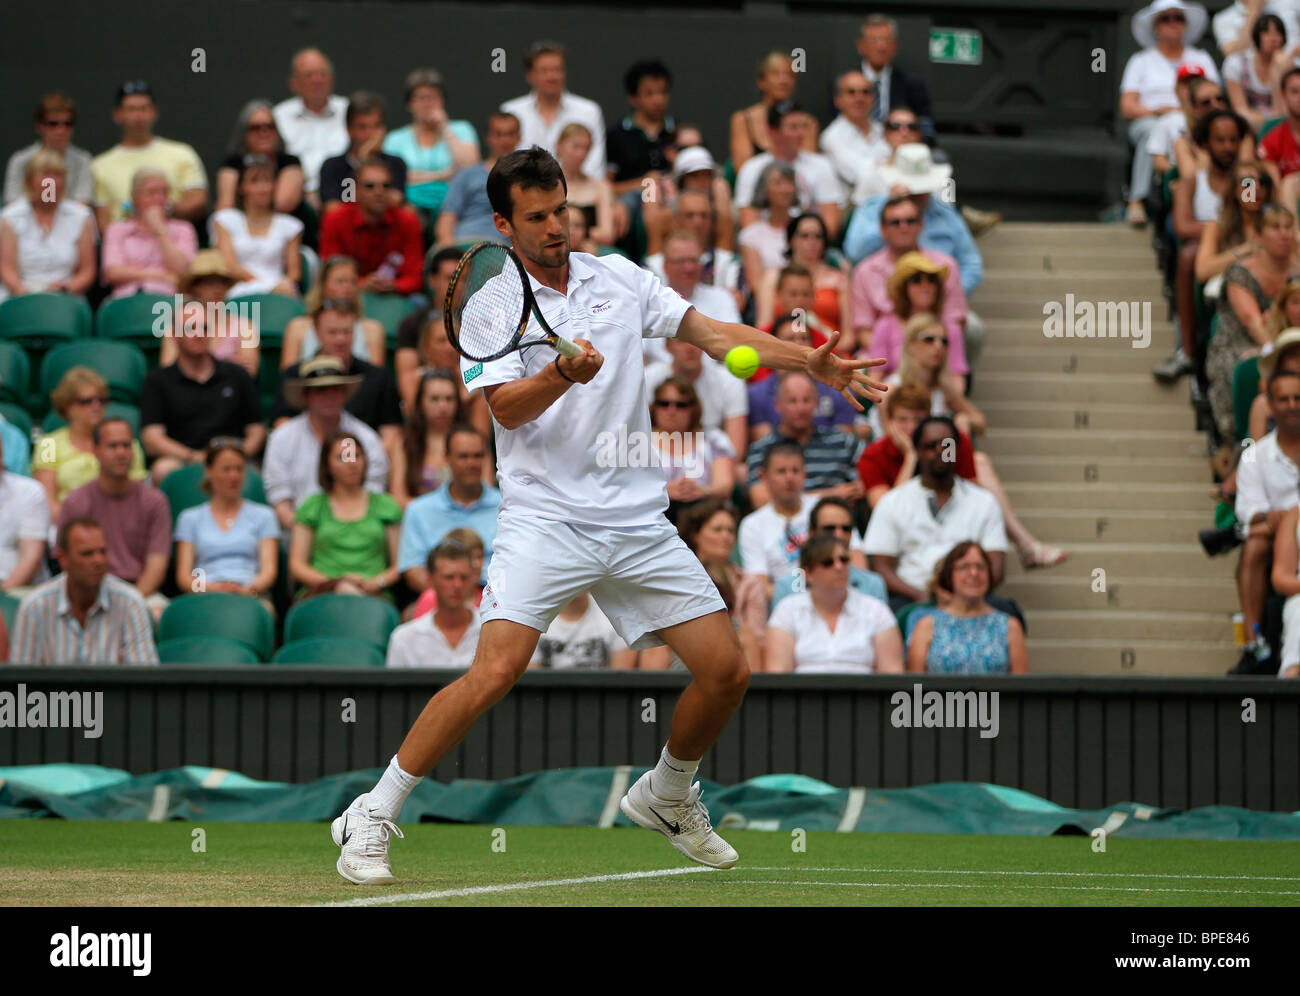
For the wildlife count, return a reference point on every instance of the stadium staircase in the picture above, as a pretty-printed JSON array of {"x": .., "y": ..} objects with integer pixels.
[{"x": 1100, "y": 459}]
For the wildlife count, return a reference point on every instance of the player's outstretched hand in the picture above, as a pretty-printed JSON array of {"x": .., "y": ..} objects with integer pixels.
[
  {"x": 583, "y": 368},
  {"x": 841, "y": 373}
]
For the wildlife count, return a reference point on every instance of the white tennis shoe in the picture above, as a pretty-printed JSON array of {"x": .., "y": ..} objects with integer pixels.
[
  {"x": 685, "y": 824},
  {"x": 364, "y": 839}
]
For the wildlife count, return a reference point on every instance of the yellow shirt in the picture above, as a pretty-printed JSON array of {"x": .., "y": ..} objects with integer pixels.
[
  {"x": 73, "y": 467},
  {"x": 112, "y": 171}
]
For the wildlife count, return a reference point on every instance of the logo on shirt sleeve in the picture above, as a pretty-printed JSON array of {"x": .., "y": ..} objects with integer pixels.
[{"x": 473, "y": 372}]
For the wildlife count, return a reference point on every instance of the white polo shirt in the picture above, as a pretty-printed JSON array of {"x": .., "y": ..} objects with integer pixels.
[
  {"x": 855, "y": 156},
  {"x": 24, "y": 515},
  {"x": 312, "y": 137},
  {"x": 1267, "y": 480},
  {"x": 580, "y": 459},
  {"x": 419, "y": 643},
  {"x": 291, "y": 466},
  {"x": 814, "y": 178},
  {"x": 1153, "y": 77},
  {"x": 769, "y": 542},
  {"x": 709, "y": 301},
  {"x": 850, "y": 649},
  {"x": 533, "y": 130},
  {"x": 903, "y": 525}
]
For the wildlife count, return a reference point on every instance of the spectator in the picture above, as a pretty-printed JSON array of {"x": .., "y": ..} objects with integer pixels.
[
  {"x": 891, "y": 460},
  {"x": 384, "y": 240},
  {"x": 807, "y": 243},
  {"x": 337, "y": 280},
  {"x": 366, "y": 134},
  {"x": 830, "y": 456},
  {"x": 1282, "y": 353},
  {"x": 964, "y": 634},
  {"x": 834, "y": 517},
  {"x": 900, "y": 230},
  {"x": 345, "y": 535},
  {"x": 681, "y": 269},
  {"x": 436, "y": 352},
  {"x": 697, "y": 463},
  {"x": 148, "y": 252},
  {"x": 906, "y": 536},
  {"x": 23, "y": 531},
  {"x": 207, "y": 281},
  {"x": 312, "y": 121},
  {"x": 1166, "y": 30},
  {"x": 818, "y": 188},
  {"x": 47, "y": 241},
  {"x": 290, "y": 471},
  {"x": 439, "y": 265},
  {"x": 771, "y": 535},
  {"x": 892, "y": 85},
  {"x": 65, "y": 458},
  {"x": 228, "y": 541},
  {"x": 260, "y": 245},
  {"x": 1249, "y": 287},
  {"x": 549, "y": 107},
  {"x": 833, "y": 409},
  {"x": 795, "y": 295},
  {"x": 709, "y": 529},
  {"x": 83, "y": 616},
  {"x": 183, "y": 407},
  {"x": 56, "y": 116},
  {"x": 1248, "y": 74},
  {"x": 466, "y": 215},
  {"x": 116, "y": 171},
  {"x": 594, "y": 199},
  {"x": 1233, "y": 234},
  {"x": 420, "y": 462},
  {"x": 471, "y": 541},
  {"x": 1286, "y": 582},
  {"x": 375, "y": 402},
  {"x": 636, "y": 149},
  {"x": 723, "y": 402},
  {"x": 1234, "y": 26},
  {"x": 134, "y": 516},
  {"x": 750, "y": 135},
  {"x": 1279, "y": 151},
  {"x": 447, "y": 636},
  {"x": 256, "y": 135},
  {"x": 916, "y": 286},
  {"x": 830, "y": 627},
  {"x": 580, "y": 637},
  {"x": 762, "y": 242},
  {"x": 924, "y": 361},
  {"x": 901, "y": 127},
  {"x": 702, "y": 205},
  {"x": 580, "y": 239},
  {"x": 463, "y": 501},
  {"x": 855, "y": 140},
  {"x": 16, "y": 446},
  {"x": 1266, "y": 489},
  {"x": 433, "y": 146}
]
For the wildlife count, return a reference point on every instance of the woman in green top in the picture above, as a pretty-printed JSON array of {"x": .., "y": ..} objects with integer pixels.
[{"x": 345, "y": 537}]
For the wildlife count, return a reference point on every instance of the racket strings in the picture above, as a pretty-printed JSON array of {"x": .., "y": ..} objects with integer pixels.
[{"x": 487, "y": 304}]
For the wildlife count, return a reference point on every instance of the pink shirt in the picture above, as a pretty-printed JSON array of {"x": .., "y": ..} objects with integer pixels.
[
  {"x": 870, "y": 299},
  {"x": 887, "y": 341},
  {"x": 128, "y": 243}
]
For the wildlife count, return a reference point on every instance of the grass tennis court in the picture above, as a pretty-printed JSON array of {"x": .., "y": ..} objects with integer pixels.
[{"x": 56, "y": 862}]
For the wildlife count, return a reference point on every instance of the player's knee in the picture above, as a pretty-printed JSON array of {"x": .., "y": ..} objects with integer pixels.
[
  {"x": 729, "y": 680},
  {"x": 495, "y": 678}
]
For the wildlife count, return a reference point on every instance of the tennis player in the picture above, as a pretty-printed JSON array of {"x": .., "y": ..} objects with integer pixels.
[{"x": 569, "y": 524}]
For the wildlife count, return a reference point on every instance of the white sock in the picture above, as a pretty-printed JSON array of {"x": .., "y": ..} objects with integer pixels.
[
  {"x": 671, "y": 778},
  {"x": 389, "y": 795}
]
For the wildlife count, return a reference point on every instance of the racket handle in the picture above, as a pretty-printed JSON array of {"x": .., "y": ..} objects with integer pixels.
[{"x": 566, "y": 348}]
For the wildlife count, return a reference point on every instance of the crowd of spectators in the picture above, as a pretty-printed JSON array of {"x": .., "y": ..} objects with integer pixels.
[{"x": 346, "y": 457}]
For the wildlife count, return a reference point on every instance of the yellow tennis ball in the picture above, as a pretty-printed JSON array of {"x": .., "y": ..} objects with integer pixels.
[{"x": 742, "y": 361}]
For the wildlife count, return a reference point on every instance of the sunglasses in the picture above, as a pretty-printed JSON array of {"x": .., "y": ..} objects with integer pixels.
[
  {"x": 836, "y": 561},
  {"x": 377, "y": 186},
  {"x": 926, "y": 278},
  {"x": 1171, "y": 18},
  {"x": 58, "y": 123},
  {"x": 86, "y": 402},
  {"x": 672, "y": 404},
  {"x": 1209, "y": 101},
  {"x": 978, "y": 567},
  {"x": 836, "y": 529},
  {"x": 901, "y": 126},
  {"x": 900, "y": 222},
  {"x": 931, "y": 339}
]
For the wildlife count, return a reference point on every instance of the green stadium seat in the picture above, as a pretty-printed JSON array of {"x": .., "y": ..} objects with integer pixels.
[
  {"x": 182, "y": 490},
  {"x": 8, "y": 611},
  {"x": 116, "y": 409},
  {"x": 120, "y": 363},
  {"x": 220, "y": 613},
  {"x": 1245, "y": 385},
  {"x": 909, "y": 615},
  {"x": 388, "y": 310},
  {"x": 43, "y": 319},
  {"x": 358, "y": 616},
  {"x": 215, "y": 650},
  {"x": 274, "y": 311},
  {"x": 132, "y": 318},
  {"x": 17, "y": 415},
  {"x": 329, "y": 651},
  {"x": 15, "y": 373}
]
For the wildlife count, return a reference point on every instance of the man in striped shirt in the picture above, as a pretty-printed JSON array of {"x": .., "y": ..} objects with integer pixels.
[{"x": 85, "y": 615}]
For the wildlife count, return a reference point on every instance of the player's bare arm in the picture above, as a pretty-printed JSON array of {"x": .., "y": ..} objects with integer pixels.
[
  {"x": 717, "y": 338},
  {"x": 523, "y": 400}
]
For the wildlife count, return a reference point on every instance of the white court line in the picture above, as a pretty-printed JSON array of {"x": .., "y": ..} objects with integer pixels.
[
  {"x": 481, "y": 890},
  {"x": 1064, "y": 874},
  {"x": 617, "y": 786},
  {"x": 162, "y": 800},
  {"x": 1053, "y": 888},
  {"x": 852, "y": 810}
]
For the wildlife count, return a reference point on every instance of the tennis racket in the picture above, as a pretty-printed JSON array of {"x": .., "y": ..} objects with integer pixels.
[{"x": 489, "y": 302}]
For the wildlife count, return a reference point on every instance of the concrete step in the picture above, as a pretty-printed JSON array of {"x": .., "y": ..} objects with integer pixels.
[
  {"x": 1025, "y": 328},
  {"x": 1067, "y": 528},
  {"x": 1115, "y": 284},
  {"x": 1078, "y": 237},
  {"x": 1128, "y": 657},
  {"x": 1115, "y": 624},
  {"x": 1102, "y": 470},
  {"x": 1067, "y": 259},
  {"x": 1168, "y": 560},
  {"x": 1104, "y": 498},
  {"x": 1085, "y": 418},
  {"x": 1001, "y": 443},
  {"x": 1085, "y": 358},
  {"x": 1138, "y": 593},
  {"x": 1070, "y": 389}
]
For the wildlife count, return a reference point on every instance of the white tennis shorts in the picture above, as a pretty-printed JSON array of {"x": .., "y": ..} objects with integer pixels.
[{"x": 644, "y": 578}]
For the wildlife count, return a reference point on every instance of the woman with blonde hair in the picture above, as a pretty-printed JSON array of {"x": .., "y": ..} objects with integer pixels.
[
  {"x": 594, "y": 199},
  {"x": 776, "y": 81},
  {"x": 338, "y": 278},
  {"x": 47, "y": 241}
]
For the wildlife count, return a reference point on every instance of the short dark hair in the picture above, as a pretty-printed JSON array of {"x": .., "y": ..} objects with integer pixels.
[
  {"x": 435, "y": 257},
  {"x": 1275, "y": 376},
  {"x": 1293, "y": 71},
  {"x": 930, "y": 420},
  {"x": 781, "y": 110},
  {"x": 1201, "y": 134},
  {"x": 85, "y": 521},
  {"x": 792, "y": 270},
  {"x": 97, "y": 431},
  {"x": 375, "y": 162},
  {"x": 528, "y": 169},
  {"x": 785, "y": 446},
  {"x": 645, "y": 69},
  {"x": 324, "y": 476},
  {"x": 364, "y": 102},
  {"x": 818, "y": 548},
  {"x": 694, "y": 517},
  {"x": 894, "y": 202},
  {"x": 793, "y": 225},
  {"x": 945, "y": 568},
  {"x": 448, "y": 549},
  {"x": 828, "y": 501},
  {"x": 539, "y": 48},
  {"x": 781, "y": 321},
  {"x": 459, "y": 429},
  {"x": 502, "y": 115}
]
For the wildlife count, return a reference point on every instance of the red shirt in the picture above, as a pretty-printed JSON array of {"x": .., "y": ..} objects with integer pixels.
[
  {"x": 396, "y": 239},
  {"x": 881, "y": 461},
  {"x": 1279, "y": 146}
]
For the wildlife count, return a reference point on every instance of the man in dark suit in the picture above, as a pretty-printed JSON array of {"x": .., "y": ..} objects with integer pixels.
[{"x": 893, "y": 86}]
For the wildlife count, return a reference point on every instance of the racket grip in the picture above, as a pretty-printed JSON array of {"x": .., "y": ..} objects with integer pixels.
[{"x": 566, "y": 348}]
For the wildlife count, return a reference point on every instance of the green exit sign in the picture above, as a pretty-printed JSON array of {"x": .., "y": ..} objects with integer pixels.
[{"x": 961, "y": 46}]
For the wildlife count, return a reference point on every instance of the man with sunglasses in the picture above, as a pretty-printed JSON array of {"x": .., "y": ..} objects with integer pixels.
[
  {"x": 385, "y": 240},
  {"x": 56, "y": 115},
  {"x": 855, "y": 140}
]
